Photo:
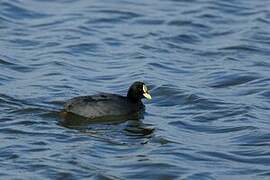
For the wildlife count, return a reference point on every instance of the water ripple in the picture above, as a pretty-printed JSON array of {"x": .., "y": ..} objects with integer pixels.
[{"x": 206, "y": 64}]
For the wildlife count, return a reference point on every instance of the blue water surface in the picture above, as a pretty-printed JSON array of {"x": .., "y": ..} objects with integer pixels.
[{"x": 207, "y": 65}]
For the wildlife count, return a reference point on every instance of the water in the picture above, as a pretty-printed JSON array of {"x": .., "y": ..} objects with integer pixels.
[{"x": 206, "y": 63}]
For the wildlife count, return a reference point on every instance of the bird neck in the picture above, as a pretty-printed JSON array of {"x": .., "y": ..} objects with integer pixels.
[{"x": 133, "y": 97}]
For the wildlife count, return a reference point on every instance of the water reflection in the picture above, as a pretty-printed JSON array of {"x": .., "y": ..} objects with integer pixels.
[
  {"x": 207, "y": 63},
  {"x": 133, "y": 124}
]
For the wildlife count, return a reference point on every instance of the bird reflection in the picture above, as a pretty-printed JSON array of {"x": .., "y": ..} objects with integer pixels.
[{"x": 133, "y": 126}]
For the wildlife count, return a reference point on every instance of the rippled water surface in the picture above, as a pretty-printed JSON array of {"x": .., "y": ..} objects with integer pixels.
[{"x": 207, "y": 65}]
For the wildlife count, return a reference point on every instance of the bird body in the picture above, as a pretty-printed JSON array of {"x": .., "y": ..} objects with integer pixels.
[
  {"x": 105, "y": 104},
  {"x": 102, "y": 105}
]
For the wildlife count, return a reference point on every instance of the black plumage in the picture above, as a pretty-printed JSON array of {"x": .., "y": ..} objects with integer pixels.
[{"x": 105, "y": 104}]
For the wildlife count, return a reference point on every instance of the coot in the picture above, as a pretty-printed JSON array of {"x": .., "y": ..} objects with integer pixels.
[{"x": 105, "y": 104}]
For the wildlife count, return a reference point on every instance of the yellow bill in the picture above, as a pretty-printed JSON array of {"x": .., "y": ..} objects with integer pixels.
[
  {"x": 146, "y": 93},
  {"x": 147, "y": 96}
]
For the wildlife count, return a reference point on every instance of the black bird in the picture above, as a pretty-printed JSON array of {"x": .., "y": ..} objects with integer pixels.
[{"x": 107, "y": 105}]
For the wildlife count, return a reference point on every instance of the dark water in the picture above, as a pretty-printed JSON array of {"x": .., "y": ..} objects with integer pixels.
[{"x": 207, "y": 63}]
